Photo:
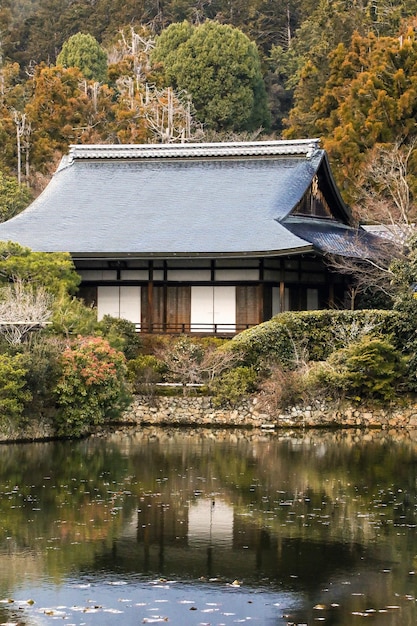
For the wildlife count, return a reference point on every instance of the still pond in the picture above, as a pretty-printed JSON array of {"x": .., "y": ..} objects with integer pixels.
[{"x": 202, "y": 527}]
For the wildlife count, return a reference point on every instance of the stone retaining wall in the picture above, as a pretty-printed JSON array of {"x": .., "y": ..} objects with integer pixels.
[{"x": 199, "y": 411}]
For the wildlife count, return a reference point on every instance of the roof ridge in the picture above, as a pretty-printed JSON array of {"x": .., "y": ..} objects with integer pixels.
[{"x": 306, "y": 147}]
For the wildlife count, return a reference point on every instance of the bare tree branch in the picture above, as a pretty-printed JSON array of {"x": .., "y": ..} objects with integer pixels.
[
  {"x": 371, "y": 267},
  {"x": 384, "y": 195},
  {"x": 169, "y": 115},
  {"x": 385, "y": 200},
  {"x": 215, "y": 361},
  {"x": 23, "y": 308}
]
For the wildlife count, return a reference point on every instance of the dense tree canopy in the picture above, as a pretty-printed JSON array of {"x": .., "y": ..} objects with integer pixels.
[
  {"x": 13, "y": 197},
  {"x": 369, "y": 98},
  {"x": 342, "y": 70},
  {"x": 220, "y": 68},
  {"x": 61, "y": 112},
  {"x": 54, "y": 272},
  {"x": 83, "y": 51}
]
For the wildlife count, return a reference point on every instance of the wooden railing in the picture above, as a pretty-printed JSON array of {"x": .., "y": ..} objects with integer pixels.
[{"x": 194, "y": 328}]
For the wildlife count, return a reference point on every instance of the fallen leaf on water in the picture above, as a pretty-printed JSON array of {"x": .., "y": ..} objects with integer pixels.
[
  {"x": 117, "y": 582},
  {"x": 360, "y": 613},
  {"x": 186, "y": 602}
]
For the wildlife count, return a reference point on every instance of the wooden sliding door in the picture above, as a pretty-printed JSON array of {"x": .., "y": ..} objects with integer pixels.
[
  {"x": 249, "y": 306},
  {"x": 166, "y": 309}
]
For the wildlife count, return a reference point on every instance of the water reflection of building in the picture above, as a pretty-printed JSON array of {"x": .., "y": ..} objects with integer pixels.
[
  {"x": 193, "y": 524},
  {"x": 210, "y": 522},
  {"x": 161, "y": 522},
  {"x": 168, "y": 536},
  {"x": 211, "y": 538}
]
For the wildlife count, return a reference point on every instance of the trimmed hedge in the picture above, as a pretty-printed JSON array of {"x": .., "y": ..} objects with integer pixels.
[{"x": 290, "y": 336}]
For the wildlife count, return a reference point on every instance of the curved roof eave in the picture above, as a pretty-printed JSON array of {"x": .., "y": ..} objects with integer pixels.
[
  {"x": 333, "y": 238},
  {"x": 345, "y": 211},
  {"x": 304, "y": 249}
]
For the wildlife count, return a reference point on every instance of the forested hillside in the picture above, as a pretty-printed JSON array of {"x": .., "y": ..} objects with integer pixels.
[{"x": 176, "y": 70}]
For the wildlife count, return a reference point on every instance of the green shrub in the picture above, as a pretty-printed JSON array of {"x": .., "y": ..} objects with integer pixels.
[
  {"x": 71, "y": 317},
  {"x": 406, "y": 336},
  {"x": 14, "y": 394},
  {"x": 92, "y": 387},
  {"x": 292, "y": 338},
  {"x": 371, "y": 369},
  {"x": 230, "y": 387},
  {"x": 41, "y": 357},
  {"x": 144, "y": 372},
  {"x": 121, "y": 335}
]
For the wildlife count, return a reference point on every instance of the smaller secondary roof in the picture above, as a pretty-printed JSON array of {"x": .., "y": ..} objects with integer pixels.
[{"x": 176, "y": 200}]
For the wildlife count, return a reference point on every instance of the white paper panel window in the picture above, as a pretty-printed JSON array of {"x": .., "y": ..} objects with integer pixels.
[
  {"x": 98, "y": 274},
  {"x": 134, "y": 275},
  {"x": 121, "y": 302},
  {"x": 191, "y": 275},
  {"x": 130, "y": 304},
  {"x": 213, "y": 308},
  {"x": 237, "y": 274},
  {"x": 107, "y": 302},
  {"x": 225, "y": 308}
]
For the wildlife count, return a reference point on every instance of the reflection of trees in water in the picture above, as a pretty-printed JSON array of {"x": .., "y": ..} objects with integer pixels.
[
  {"x": 57, "y": 502},
  {"x": 320, "y": 498},
  {"x": 331, "y": 475},
  {"x": 302, "y": 505}
]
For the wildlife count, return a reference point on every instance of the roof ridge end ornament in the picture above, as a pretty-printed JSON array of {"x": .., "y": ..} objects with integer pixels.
[{"x": 313, "y": 148}]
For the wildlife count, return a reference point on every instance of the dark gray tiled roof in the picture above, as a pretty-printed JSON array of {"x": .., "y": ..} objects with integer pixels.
[
  {"x": 171, "y": 200},
  {"x": 334, "y": 238}
]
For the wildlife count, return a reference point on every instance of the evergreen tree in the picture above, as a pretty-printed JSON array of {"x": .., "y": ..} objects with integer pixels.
[
  {"x": 220, "y": 68},
  {"x": 83, "y": 51},
  {"x": 65, "y": 109},
  {"x": 13, "y": 197}
]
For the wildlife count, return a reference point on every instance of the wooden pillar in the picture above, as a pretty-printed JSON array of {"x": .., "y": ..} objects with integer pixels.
[
  {"x": 150, "y": 297},
  {"x": 282, "y": 296},
  {"x": 165, "y": 299},
  {"x": 260, "y": 298},
  {"x": 331, "y": 296}
]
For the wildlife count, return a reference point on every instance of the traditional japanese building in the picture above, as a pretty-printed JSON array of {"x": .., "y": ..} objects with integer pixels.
[{"x": 208, "y": 238}]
